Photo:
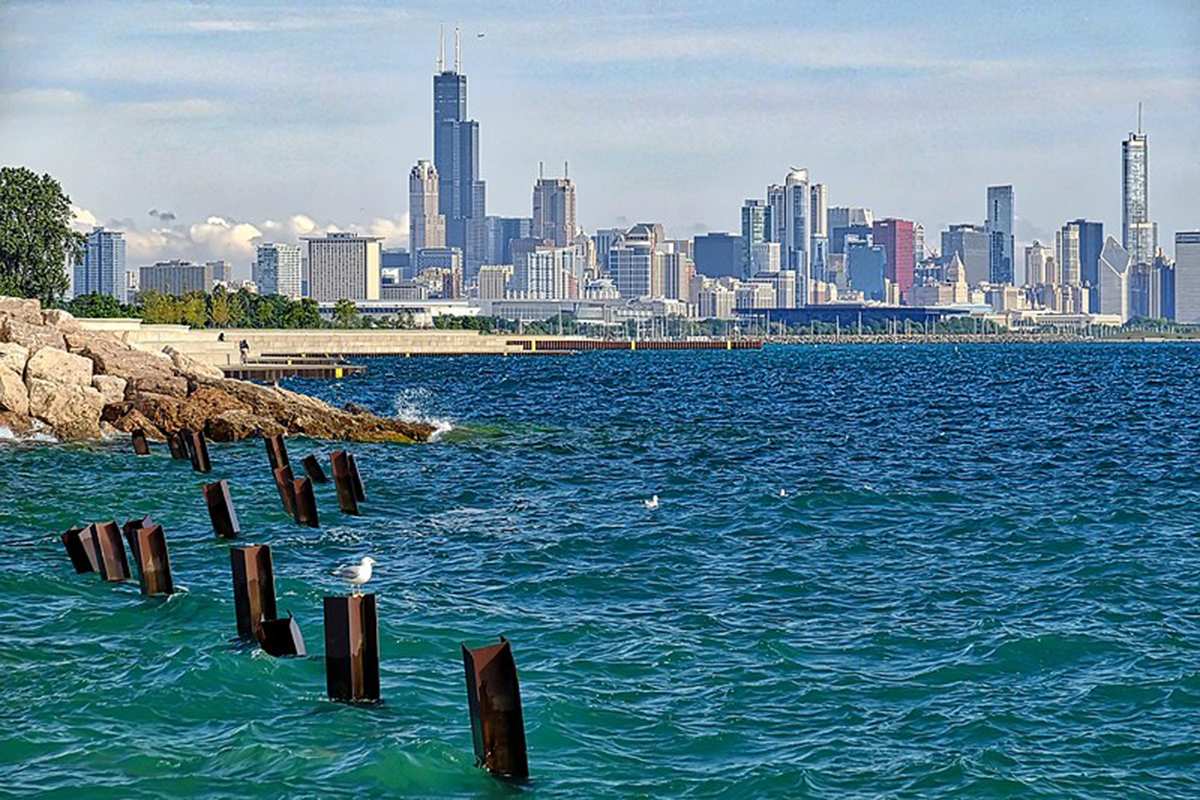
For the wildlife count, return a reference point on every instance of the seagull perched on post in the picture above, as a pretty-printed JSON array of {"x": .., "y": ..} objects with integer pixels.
[{"x": 355, "y": 574}]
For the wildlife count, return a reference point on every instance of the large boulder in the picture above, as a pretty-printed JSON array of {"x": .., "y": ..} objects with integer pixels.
[
  {"x": 14, "y": 396},
  {"x": 13, "y": 356},
  {"x": 30, "y": 336},
  {"x": 110, "y": 387},
  {"x": 164, "y": 411},
  {"x": 236, "y": 424},
  {"x": 135, "y": 420},
  {"x": 192, "y": 368},
  {"x": 72, "y": 410},
  {"x": 58, "y": 318},
  {"x": 142, "y": 370},
  {"x": 58, "y": 366},
  {"x": 25, "y": 310},
  {"x": 206, "y": 403}
]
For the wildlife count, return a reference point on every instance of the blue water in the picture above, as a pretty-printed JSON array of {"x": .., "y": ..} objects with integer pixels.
[{"x": 984, "y": 581}]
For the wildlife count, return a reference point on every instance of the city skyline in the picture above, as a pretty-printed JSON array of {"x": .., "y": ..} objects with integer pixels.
[{"x": 936, "y": 172}]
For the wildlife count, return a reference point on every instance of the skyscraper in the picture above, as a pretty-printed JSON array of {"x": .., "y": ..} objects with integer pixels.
[
  {"x": 973, "y": 245},
  {"x": 1187, "y": 276},
  {"x": 277, "y": 269},
  {"x": 461, "y": 195},
  {"x": 1114, "y": 280},
  {"x": 344, "y": 266},
  {"x": 1091, "y": 242},
  {"x": 797, "y": 227},
  {"x": 999, "y": 228},
  {"x": 1066, "y": 255},
  {"x": 757, "y": 228},
  {"x": 103, "y": 266},
  {"x": 1137, "y": 231},
  {"x": 426, "y": 227},
  {"x": 775, "y": 194},
  {"x": 819, "y": 231},
  {"x": 554, "y": 210},
  {"x": 895, "y": 236}
]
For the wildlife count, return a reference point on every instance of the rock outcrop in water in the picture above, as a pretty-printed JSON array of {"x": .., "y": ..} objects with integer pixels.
[{"x": 81, "y": 384}]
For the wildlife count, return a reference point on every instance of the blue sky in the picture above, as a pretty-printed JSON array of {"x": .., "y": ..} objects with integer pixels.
[{"x": 237, "y": 120}]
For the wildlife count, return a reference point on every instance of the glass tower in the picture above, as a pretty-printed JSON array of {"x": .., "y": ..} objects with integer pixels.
[
  {"x": 103, "y": 267},
  {"x": 1137, "y": 232},
  {"x": 1000, "y": 234},
  {"x": 461, "y": 195}
]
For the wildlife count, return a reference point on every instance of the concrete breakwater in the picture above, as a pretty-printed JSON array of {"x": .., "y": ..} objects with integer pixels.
[
  {"x": 931, "y": 338},
  {"x": 58, "y": 377}
]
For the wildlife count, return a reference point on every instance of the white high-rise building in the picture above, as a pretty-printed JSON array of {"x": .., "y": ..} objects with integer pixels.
[
  {"x": 1138, "y": 233},
  {"x": 765, "y": 257},
  {"x": 103, "y": 267},
  {"x": 277, "y": 269},
  {"x": 426, "y": 227},
  {"x": 546, "y": 273},
  {"x": 797, "y": 219},
  {"x": 1115, "y": 262},
  {"x": 819, "y": 230},
  {"x": 1187, "y": 276},
  {"x": 1039, "y": 264},
  {"x": 344, "y": 266},
  {"x": 1066, "y": 255}
]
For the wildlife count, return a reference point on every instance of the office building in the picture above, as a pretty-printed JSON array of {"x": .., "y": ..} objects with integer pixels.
[
  {"x": 819, "y": 234},
  {"x": 1187, "y": 277},
  {"x": 1137, "y": 231},
  {"x": 426, "y": 227},
  {"x": 102, "y": 270},
  {"x": 999, "y": 227},
  {"x": 765, "y": 257},
  {"x": 919, "y": 254},
  {"x": 797, "y": 228},
  {"x": 1066, "y": 257},
  {"x": 973, "y": 245},
  {"x": 554, "y": 211},
  {"x": 396, "y": 261},
  {"x": 847, "y": 216},
  {"x": 461, "y": 193},
  {"x": 775, "y": 202},
  {"x": 1115, "y": 262},
  {"x": 783, "y": 281},
  {"x": 867, "y": 270},
  {"x": 843, "y": 233},
  {"x": 635, "y": 263},
  {"x": 718, "y": 255},
  {"x": 546, "y": 272},
  {"x": 499, "y": 235},
  {"x": 177, "y": 278},
  {"x": 757, "y": 227},
  {"x": 344, "y": 266},
  {"x": 493, "y": 281},
  {"x": 277, "y": 269},
  {"x": 1039, "y": 265},
  {"x": 678, "y": 271},
  {"x": 895, "y": 236}
]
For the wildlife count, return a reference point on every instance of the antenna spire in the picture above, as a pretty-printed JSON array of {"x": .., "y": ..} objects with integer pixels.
[
  {"x": 541, "y": 170},
  {"x": 1139, "y": 118},
  {"x": 457, "y": 50},
  {"x": 441, "y": 56},
  {"x": 566, "y": 169}
]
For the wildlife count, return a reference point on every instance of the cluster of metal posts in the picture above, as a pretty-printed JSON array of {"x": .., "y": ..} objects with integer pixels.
[{"x": 351, "y": 623}]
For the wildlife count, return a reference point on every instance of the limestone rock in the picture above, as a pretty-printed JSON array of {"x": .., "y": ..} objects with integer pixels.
[
  {"x": 110, "y": 387},
  {"x": 235, "y": 424},
  {"x": 25, "y": 310},
  {"x": 143, "y": 371},
  {"x": 135, "y": 420},
  {"x": 30, "y": 336},
  {"x": 58, "y": 366},
  {"x": 13, "y": 356},
  {"x": 72, "y": 410},
  {"x": 58, "y": 318},
  {"x": 164, "y": 411},
  {"x": 14, "y": 396},
  {"x": 192, "y": 368},
  {"x": 18, "y": 425}
]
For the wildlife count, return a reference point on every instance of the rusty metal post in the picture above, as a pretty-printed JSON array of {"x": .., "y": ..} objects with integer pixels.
[
  {"x": 110, "y": 549},
  {"x": 154, "y": 564},
  {"x": 198, "y": 447},
  {"x": 286, "y": 485},
  {"x": 347, "y": 497},
  {"x": 280, "y": 637},
  {"x": 81, "y": 548},
  {"x": 130, "y": 529},
  {"x": 220, "y": 510},
  {"x": 352, "y": 648},
  {"x": 494, "y": 700},
  {"x": 355, "y": 478},
  {"x": 253, "y": 587},
  {"x": 305, "y": 503},
  {"x": 313, "y": 467},
  {"x": 178, "y": 445},
  {"x": 140, "y": 446},
  {"x": 276, "y": 451}
]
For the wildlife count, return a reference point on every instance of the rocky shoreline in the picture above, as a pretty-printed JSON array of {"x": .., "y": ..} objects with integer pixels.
[{"x": 57, "y": 378}]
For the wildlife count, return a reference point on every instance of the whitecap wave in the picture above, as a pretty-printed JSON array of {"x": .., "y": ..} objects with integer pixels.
[
  {"x": 410, "y": 407},
  {"x": 7, "y": 435}
]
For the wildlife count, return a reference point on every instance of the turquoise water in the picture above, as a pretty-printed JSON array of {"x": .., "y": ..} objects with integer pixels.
[{"x": 983, "y": 582}]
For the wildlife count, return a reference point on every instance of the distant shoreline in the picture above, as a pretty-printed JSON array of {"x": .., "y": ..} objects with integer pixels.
[{"x": 974, "y": 338}]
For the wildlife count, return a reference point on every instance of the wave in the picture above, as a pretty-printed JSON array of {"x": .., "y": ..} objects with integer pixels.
[
  {"x": 7, "y": 435},
  {"x": 410, "y": 403}
]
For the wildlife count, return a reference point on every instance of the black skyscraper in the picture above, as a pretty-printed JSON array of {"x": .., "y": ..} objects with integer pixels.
[{"x": 461, "y": 195}]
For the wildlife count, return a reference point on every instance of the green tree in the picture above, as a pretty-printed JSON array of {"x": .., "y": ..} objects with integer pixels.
[
  {"x": 96, "y": 305},
  {"x": 218, "y": 308},
  {"x": 303, "y": 313},
  {"x": 239, "y": 308},
  {"x": 345, "y": 314},
  {"x": 159, "y": 309},
  {"x": 36, "y": 240},
  {"x": 194, "y": 309}
]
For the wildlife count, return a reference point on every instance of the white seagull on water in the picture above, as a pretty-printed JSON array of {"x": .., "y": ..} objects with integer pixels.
[
  {"x": 652, "y": 503},
  {"x": 355, "y": 574}
]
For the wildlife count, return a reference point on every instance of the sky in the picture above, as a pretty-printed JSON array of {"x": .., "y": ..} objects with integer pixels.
[{"x": 200, "y": 128}]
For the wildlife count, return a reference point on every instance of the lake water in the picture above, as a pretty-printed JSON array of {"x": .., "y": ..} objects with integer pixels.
[{"x": 983, "y": 581}]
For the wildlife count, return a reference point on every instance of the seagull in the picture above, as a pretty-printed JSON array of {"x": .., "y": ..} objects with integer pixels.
[
  {"x": 783, "y": 493},
  {"x": 355, "y": 574},
  {"x": 652, "y": 503}
]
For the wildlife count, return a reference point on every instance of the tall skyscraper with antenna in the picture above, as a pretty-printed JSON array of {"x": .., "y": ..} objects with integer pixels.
[
  {"x": 1137, "y": 231},
  {"x": 461, "y": 194}
]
